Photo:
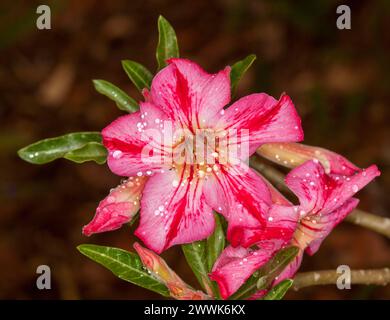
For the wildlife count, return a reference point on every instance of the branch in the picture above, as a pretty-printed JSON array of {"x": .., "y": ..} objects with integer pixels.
[
  {"x": 370, "y": 221},
  {"x": 361, "y": 218},
  {"x": 314, "y": 278}
]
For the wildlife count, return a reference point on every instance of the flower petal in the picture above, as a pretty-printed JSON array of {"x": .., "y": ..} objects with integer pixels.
[
  {"x": 152, "y": 117},
  {"x": 265, "y": 119},
  {"x": 292, "y": 155},
  {"x": 117, "y": 208},
  {"x": 318, "y": 191},
  {"x": 241, "y": 195},
  {"x": 173, "y": 211},
  {"x": 276, "y": 196},
  {"x": 189, "y": 95},
  {"x": 281, "y": 224},
  {"x": 136, "y": 144},
  {"x": 258, "y": 295},
  {"x": 323, "y": 225},
  {"x": 235, "y": 265}
]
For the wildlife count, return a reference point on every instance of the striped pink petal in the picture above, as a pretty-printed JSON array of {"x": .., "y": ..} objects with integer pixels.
[{"x": 117, "y": 208}]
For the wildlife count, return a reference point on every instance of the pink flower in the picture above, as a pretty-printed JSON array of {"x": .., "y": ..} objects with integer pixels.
[
  {"x": 117, "y": 208},
  {"x": 325, "y": 200},
  {"x": 184, "y": 107},
  {"x": 235, "y": 265}
]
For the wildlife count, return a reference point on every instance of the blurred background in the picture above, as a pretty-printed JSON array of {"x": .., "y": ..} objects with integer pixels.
[{"x": 339, "y": 81}]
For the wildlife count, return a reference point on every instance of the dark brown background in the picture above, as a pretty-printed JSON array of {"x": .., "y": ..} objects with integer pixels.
[{"x": 339, "y": 81}]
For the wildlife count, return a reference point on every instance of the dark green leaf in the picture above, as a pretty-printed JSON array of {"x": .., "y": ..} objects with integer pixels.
[
  {"x": 247, "y": 289},
  {"x": 122, "y": 100},
  {"x": 92, "y": 151},
  {"x": 238, "y": 70},
  {"x": 138, "y": 74},
  {"x": 224, "y": 223},
  {"x": 264, "y": 276},
  {"x": 201, "y": 256},
  {"x": 195, "y": 254},
  {"x": 167, "y": 43},
  {"x": 125, "y": 265},
  {"x": 277, "y": 264},
  {"x": 278, "y": 292},
  {"x": 47, "y": 150},
  {"x": 215, "y": 243}
]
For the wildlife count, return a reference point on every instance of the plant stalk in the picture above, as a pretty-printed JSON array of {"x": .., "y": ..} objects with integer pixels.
[{"x": 324, "y": 277}]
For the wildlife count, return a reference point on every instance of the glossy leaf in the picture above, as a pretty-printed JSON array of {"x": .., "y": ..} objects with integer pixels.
[
  {"x": 238, "y": 70},
  {"x": 201, "y": 256},
  {"x": 167, "y": 43},
  {"x": 278, "y": 292},
  {"x": 122, "y": 100},
  {"x": 215, "y": 243},
  {"x": 264, "y": 276},
  {"x": 125, "y": 265},
  {"x": 278, "y": 263},
  {"x": 50, "y": 149},
  {"x": 138, "y": 74},
  {"x": 195, "y": 254},
  {"x": 92, "y": 151}
]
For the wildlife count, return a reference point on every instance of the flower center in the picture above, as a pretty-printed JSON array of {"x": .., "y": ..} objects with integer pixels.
[{"x": 200, "y": 154}]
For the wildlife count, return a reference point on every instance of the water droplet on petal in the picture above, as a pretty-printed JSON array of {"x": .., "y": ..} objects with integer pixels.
[
  {"x": 117, "y": 154},
  {"x": 175, "y": 183},
  {"x": 201, "y": 173}
]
